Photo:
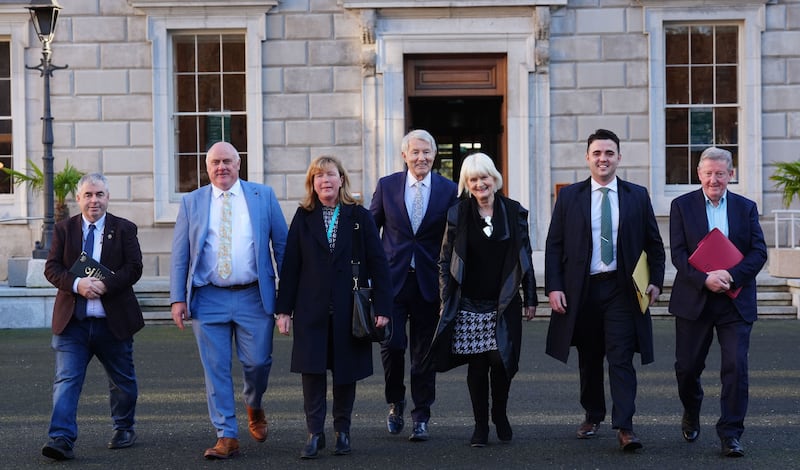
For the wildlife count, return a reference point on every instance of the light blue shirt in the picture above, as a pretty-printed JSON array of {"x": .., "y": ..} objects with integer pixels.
[{"x": 717, "y": 216}]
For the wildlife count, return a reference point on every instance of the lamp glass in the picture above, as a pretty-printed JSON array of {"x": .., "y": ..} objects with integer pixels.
[{"x": 44, "y": 21}]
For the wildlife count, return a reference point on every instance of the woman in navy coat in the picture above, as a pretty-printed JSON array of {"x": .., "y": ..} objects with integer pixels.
[{"x": 316, "y": 295}]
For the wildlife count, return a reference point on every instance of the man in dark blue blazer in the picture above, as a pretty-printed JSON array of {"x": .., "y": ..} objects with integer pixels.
[
  {"x": 699, "y": 301},
  {"x": 592, "y": 295},
  {"x": 411, "y": 207}
]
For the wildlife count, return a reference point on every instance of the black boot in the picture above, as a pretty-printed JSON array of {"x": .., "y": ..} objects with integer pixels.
[
  {"x": 342, "y": 443},
  {"x": 478, "y": 384},
  {"x": 500, "y": 387}
]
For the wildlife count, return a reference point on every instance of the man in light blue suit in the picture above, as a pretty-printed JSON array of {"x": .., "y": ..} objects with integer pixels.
[{"x": 222, "y": 276}]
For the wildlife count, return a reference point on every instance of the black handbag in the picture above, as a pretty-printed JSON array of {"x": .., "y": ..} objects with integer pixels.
[{"x": 363, "y": 310}]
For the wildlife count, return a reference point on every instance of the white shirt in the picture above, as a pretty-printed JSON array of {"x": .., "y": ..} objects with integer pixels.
[
  {"x": 243, "y": 253},
  {"x": 94, "y": 307},
  {"x": 597, "y": 265}
]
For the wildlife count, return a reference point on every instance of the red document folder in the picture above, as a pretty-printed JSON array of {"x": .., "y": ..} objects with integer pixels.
[{"x": 714, "y": 252}]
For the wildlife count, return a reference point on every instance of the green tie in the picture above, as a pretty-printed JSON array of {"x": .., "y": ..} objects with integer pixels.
[{"x": 606, "y": 246}]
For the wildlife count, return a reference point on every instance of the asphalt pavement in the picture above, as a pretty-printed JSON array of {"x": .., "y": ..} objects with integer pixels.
[{"x": 173, "y": 427}]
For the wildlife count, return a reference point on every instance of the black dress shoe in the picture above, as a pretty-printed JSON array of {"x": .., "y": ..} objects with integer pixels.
[
  {"x": 58, "y": 449},
  {"x": 122, "y": 439},
  {"x": 731, "y": 447},
  {"x": 690, "y": 426},
  {"x": 314, "y": 444},
  {"x": 394, "y": 421},
  {"x": 420, "y": 432},
  {"x": 342, "y": 444},
  {"x": 480, "y": 436}
]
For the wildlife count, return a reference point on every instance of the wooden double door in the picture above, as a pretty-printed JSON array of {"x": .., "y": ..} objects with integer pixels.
[{"x": 461, "y": 100}]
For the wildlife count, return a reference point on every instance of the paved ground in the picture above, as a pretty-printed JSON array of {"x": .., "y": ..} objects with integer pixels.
[{"x": 174, "y": 430}]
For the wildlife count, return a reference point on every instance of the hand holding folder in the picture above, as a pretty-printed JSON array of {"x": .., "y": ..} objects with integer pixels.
[
  {"x": 715, "y": 252},
  {"x": 641, "y": 279}
]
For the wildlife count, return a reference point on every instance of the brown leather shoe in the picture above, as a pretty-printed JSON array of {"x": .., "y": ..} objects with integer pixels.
[
  {"x": 257, "y": 424},
  {"x": 587, "y": 430},
  {"x": 225, "y": 448},
  {"x": 628, "y": 440}
]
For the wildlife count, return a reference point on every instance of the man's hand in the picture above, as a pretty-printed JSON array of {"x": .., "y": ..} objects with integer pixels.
[
  {"x": 653, "y": 292},
  {"x": 91, "y": 288},
  {"x": 179, "y": 313},
  {"x": 719, "y": 281},
  {"x": 558, "y": 301}
]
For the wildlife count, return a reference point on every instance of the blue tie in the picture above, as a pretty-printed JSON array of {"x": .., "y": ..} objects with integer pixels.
[{"x": 88, "y": 248}]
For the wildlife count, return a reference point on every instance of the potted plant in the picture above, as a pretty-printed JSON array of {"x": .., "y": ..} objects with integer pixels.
[
  {"x": 787, "y": 179},
  {"x": 785, "y": 262},
  {"x": 65, "y": 183}
]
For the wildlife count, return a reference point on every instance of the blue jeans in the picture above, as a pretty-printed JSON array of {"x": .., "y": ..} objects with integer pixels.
[{"x": 74, "y": 348}]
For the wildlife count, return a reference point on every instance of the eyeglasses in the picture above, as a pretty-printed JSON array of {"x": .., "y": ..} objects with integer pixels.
[{"x": 489, "y": 228}]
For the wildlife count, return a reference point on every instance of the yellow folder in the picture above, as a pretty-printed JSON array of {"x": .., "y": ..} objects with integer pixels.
[{"x": 641, "y": 278}]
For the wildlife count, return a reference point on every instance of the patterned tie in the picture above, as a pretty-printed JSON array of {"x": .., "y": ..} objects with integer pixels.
[
  {"x": 225, "y": 229},
  {"x": 88, "y": 248},
  {"x": 606, "y": 246},
  {"x": 416, "y": 208}
]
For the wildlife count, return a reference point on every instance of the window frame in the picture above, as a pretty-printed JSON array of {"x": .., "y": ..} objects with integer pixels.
[
  {"x": 750, "y": 17},
  {"x": 163, "y": 21},
  {"x": 16, "y": 29}
]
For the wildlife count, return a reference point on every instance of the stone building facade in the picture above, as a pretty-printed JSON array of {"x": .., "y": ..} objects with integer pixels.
[{"x": 350, "y": 77}]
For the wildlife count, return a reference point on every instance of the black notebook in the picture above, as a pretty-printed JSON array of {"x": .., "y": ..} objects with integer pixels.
[{"x": 86, "y": 266}]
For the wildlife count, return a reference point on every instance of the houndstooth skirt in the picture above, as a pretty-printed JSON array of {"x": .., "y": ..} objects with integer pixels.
[{"x": 475, "y": 327}]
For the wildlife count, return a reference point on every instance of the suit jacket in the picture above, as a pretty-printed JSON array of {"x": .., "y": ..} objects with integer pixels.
[
  {"x": 688, "y": 224},
  {"x": 568, "y": 255},
  {"x": 517, "y": 273},
  {"x": 120, "y": 253},
  {"x": 388, "y": 208},
  {"x": 191, "y": 230},
  {"x": 316, "y": 289}
]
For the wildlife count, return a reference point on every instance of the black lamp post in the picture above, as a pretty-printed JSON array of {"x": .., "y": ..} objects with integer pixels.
[{"x": 44, "y": 15}]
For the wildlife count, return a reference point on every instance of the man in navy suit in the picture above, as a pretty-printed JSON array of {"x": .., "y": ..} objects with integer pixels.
[
  {"x": 411, "y": 208},
  {"x": 699, "y": 301},
  {"x": 222, "y": 276},
  {"x": 93, "y": 316},
  {"x": 588, "y": 269}
]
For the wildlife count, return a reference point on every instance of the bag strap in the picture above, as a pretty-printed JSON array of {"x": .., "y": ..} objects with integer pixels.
[{"x": 356, "y": 255}]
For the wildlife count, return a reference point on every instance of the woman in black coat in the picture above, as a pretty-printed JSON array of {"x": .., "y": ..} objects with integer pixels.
[
  {"x": 316, "y": 295},
  {"x": 485, "y": 258}
]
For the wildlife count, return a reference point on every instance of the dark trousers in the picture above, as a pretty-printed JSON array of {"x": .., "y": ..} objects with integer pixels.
[
  {"x": 422, "y": 317},
  {"x": 481, "y": 370},
  {"x": 606, "y": 328},
  {"x": 315, "y": 389},
  {"x": 692, "y": 342}
]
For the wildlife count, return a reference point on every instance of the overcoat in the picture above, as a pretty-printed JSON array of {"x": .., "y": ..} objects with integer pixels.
[
  {"x": 316, "y": 289},
  {"x": 121, "y": 253},
  {"x": 517, "y": 271},
  {"x": 568, "y": 254}
]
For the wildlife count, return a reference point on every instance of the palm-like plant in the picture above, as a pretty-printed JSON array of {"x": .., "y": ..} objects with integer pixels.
[
  {"x": 65, "y": 183},
  {"x": 787, "y": 179}
]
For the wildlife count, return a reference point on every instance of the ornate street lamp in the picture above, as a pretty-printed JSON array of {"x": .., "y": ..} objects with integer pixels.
[{"x": 44, "y": 15}]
